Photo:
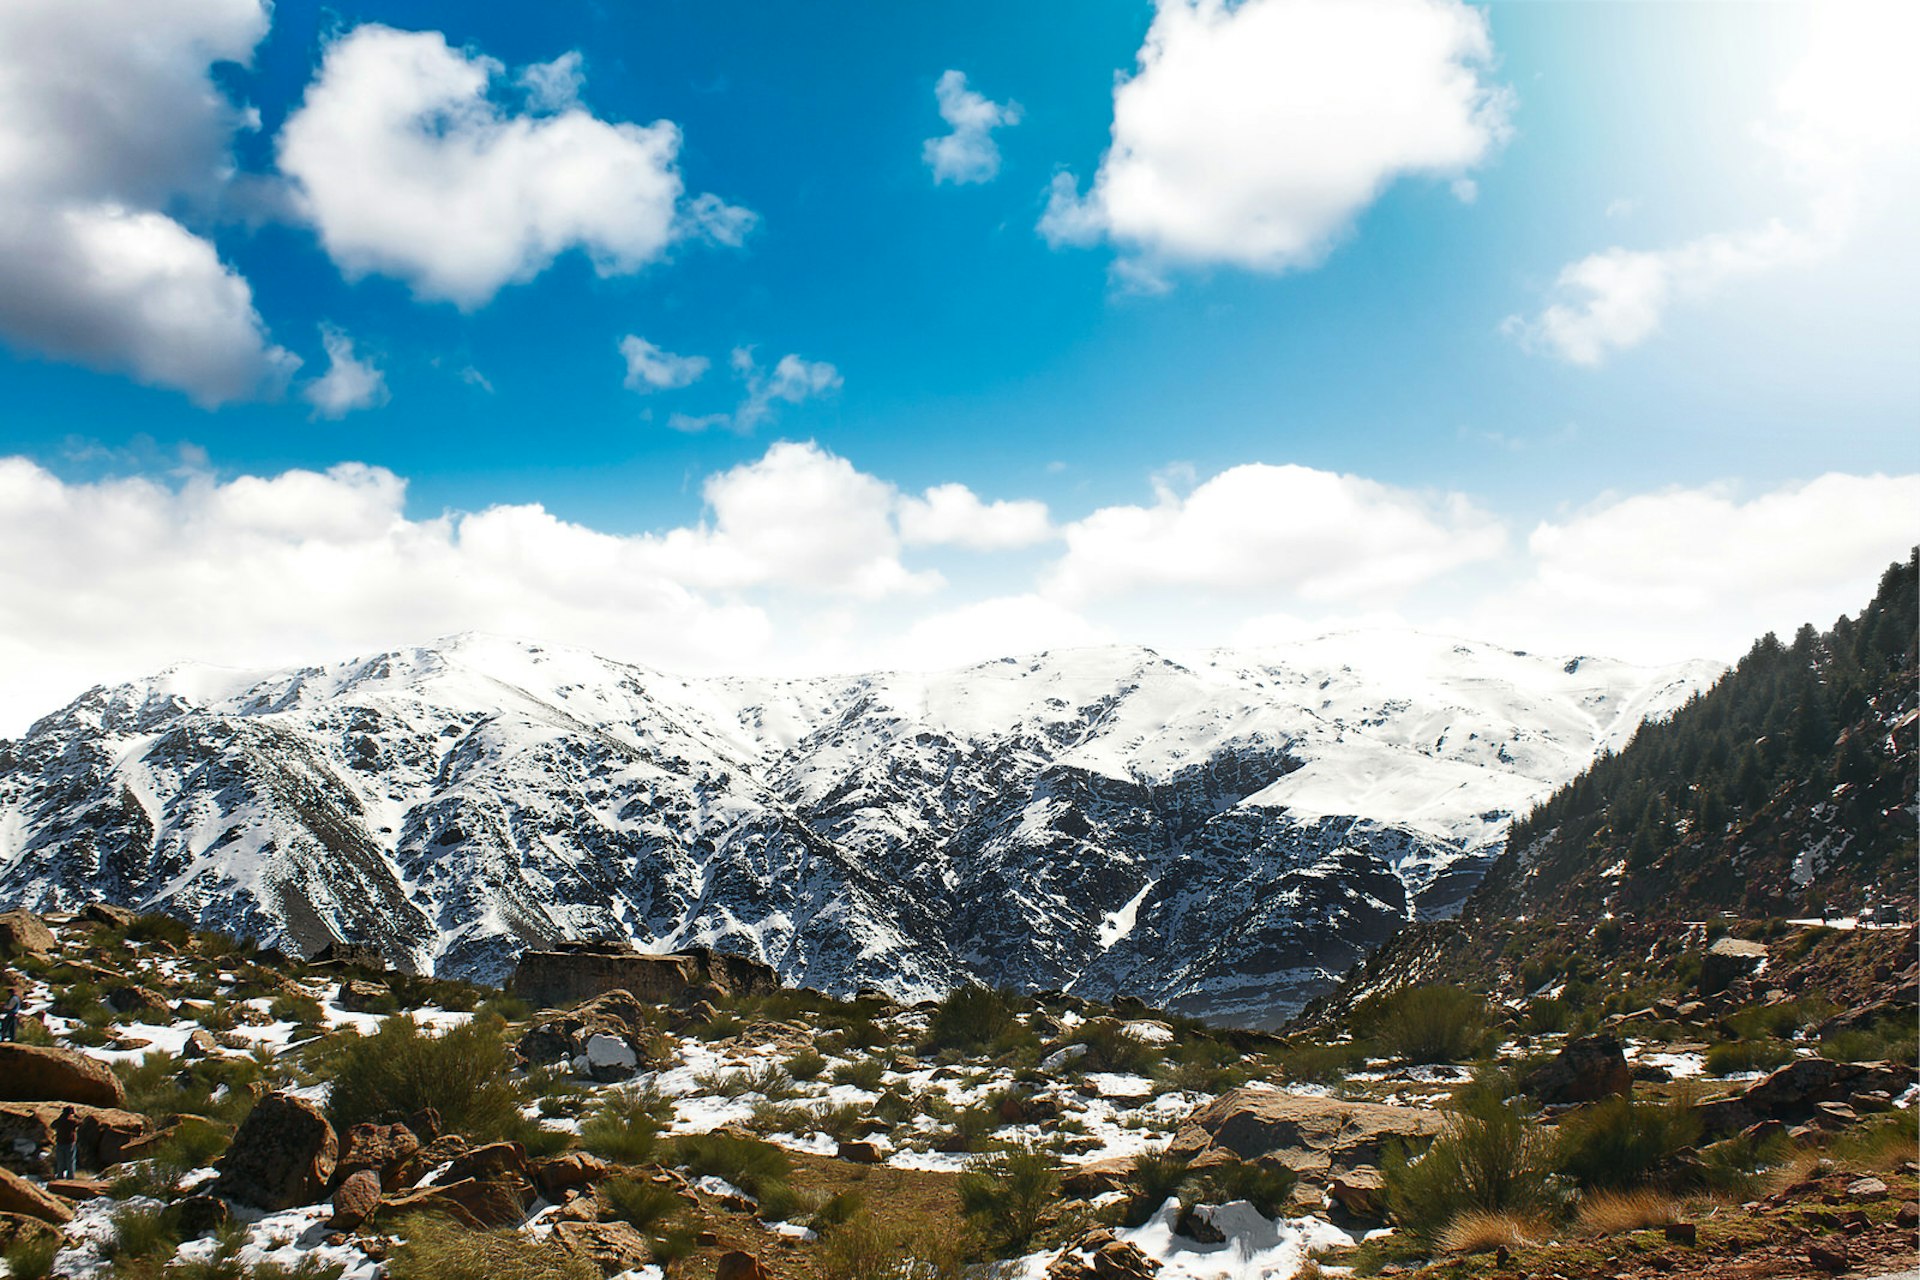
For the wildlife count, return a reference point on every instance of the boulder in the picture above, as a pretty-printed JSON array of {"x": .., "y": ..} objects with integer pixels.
[
  {"x": 109, "y": 915},
  {"x": 557, "y": 1175},
  {"x": 23, "y": 933},
  {"x": 612, "y": 1055},
  {"x": 199, "y": 1044},
  {"x": 1307, "y": 1134},
  {"x": 1867, "y": 1190},
  {"x": 1096, "y": 1255},
  {"x": 18, "y": 1228},
  {"x": 612, "y": 1247},
  {"x": 26, "y": 1135},
  {"x": 736, "y": 1264},
  {"x": 355, "y": 1200},
  {"x": 1727, "y": 961},
  {"x": 43, "y": 1073},
  {"x": 283, "y": 1156},
  {"x": 379, "y": 1149},
  {"x": 17, "y": 1195},
  {"x": 1361, "y": 1191},
  {"x": 1585, "y": 1070},
  {"x": 562, "y": 1035},
  {"x": 361, "y": 996},
  {"x": 1096, "y": 1177},
  {"x": 137, "y": 1002},
  {"x": 861, "y": 1152},
  {"x": 198, "y": 1216}
]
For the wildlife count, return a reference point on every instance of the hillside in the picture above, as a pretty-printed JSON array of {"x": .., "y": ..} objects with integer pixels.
[{"x": 1222, "y": 835}]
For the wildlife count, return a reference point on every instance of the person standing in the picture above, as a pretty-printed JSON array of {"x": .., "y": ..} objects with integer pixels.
[
  {"x": 10, "y": 1016},
  {"x": 66, "y": 1145}
]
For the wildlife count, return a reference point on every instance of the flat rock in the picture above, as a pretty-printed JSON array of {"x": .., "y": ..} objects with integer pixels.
[
  {"x": 45, "y": 1073},
  {"x": 1307, "y": 1134}
]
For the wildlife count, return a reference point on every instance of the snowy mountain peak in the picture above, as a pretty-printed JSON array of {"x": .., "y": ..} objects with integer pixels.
[{"x": 1223, "y": 832}]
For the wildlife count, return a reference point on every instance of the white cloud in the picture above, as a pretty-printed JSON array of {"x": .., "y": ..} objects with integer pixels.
[
  {"x": 792, "y": 380},
  {"x": 556, "y": 85},
  {"x": 349, "y": 383},
  {"x": 1847, "y": 111},
  {"x": 651, "y": 369},
  {"x": 969, "y": 153},
  {"x": 1260, "y": 529},
  {"x": 953, "y": 515},
  {"x": 107, "y": 117},
  {"x": 1705, "y": 570},
  {"x": 1253, "y": 133},
  {"x": 994, "y": 628},
  {"x": 408, "y": 167},
  {"x": 797, "y": 519}
]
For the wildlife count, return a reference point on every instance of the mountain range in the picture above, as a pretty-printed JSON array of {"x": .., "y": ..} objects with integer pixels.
[{"x": 1222, "y": 833}]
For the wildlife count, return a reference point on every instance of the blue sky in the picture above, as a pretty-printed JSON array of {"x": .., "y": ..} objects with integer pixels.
[{"x": 1509, "y": 429}]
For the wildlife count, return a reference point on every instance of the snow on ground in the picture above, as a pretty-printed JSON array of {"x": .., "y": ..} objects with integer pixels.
[{"x": 1256, "y": 1247}]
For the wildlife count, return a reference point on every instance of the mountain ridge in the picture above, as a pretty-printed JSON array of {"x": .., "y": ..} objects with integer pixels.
[{"x": 1222, "y": 833}]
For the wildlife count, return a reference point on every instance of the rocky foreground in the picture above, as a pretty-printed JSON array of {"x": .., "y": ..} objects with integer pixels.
[{"x": 240, "y": 1114}]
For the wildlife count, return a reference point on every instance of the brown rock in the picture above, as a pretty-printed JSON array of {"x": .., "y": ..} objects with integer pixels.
[
  {"x": 444, "y": 1201},
  {"x": 1307, "y": 1134},
  {"x": 1119, "y": 1260},
  {"x": 1829, "y": 1257},
  {"x": 17, "y": 1195},
  {"x": 199, "y": 1044},
  {"x": 1908, "y": 1216},
  {"x": 382, "y": 1149},
  {"x": 283, "y": 1156},
  {"x": 738, "y": 1265},
  {"x": 1867, "y": 1190},
  {"x": 23, "y": 933},
  {"x": 861, "y": 1152},
  {"x": 1361, "y": 1191},
  {"x": 18, "y": 1228},
  {"x": 361, "y": 996},
  {"x": 198, "y": 1216},
  {"x": 580, "y": 971},
  {"x": 1585, "y": 1070},
  {"x": 106, "y": 1134},
  {"x": 355, "y": 1200},
  {"x": 1196, "y": 1225},
  {"x": 78, "y": 1189},
  {"x": 137, "y": 1002},
  {"x": 1685, "y": 1233},
  {"x": 1096, "y": 1178},
  {"x": 557, "y": 1175},
  {"x": 42, "y": 1073},
  {"x": 494, "y": 1162},
  {"x": 562, "y": 1035},
  {"x": 107, "y": 914},
  {"x": 613, "y": 1247}
]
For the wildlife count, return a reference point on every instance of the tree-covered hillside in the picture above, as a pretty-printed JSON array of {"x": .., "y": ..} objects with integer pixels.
[{"x": 1786, "y": 789}]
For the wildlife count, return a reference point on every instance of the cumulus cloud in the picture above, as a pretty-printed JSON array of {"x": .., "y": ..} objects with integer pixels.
[
  {"x": 1847, "y": 109},
  {"x": 408, "y": 165},
  {"x": 349, "y": 383},
  {"x": 968, "y": 153},
  {"x": 953, "y": 515},
  {"x": 1253, "y": 133},
  {"x": 110, "y": 126},
  {"x": 1258, "y": 528},
  {"x": 651, "y": 369}
]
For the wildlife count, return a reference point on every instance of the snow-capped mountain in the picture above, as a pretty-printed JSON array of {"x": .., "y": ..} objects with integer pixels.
[{"x": 1223, "y": 835}]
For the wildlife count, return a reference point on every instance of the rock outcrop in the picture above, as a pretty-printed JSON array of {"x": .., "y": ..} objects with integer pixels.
[
  {"x": 1310, "y": 1135},
  {"x": 41, "y": 1073},
  {"x": 23, "y": 934},
  {"x": 581, "y": 971}
]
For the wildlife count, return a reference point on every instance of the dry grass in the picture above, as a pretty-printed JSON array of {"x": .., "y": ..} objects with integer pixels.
[
  {"x": 1606, "y": 1213},
  {"x": 1482, "y": 1231}
]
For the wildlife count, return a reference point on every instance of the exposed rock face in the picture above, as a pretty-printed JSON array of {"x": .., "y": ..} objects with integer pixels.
[
  {"x": 1728, "y": 960},
  {"x": 26, "y": 1133},
  {"x": 571, "y": 974},
  {"x": 42, "y": 1073},
  {"x": 1206, "y": 834},
  {"x": 283, "y": 1156},
  {"x": 1309, "y": 1135},
  {"x": 1798, "y": 1090},
  {"x": 380, "y": 1149},
  {"x": 23, "y": 934},
  {"x": 17, "y": 1195},
  {"x": 1361, "y": 1191},
  {"x": 563, "y": 1035},
  {"x": 1585, "y": 1070}
]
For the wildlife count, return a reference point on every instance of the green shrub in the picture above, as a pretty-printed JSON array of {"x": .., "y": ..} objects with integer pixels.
[
  {"x": 302, "y": 1010},
  {"x": 401, "y": 1069},
  {"x": 1733, "y": 1165},
  {"x": 861, "y": 1073},
  {"x": 862, "y": 1249},
  {"x": 1546, "y": 1014},
  {"x": 1619, "y": 1144},
  {"x": 1321, "y": 1063},
  {"x": 970, "y": 1019},
  {"x": 626, "y": 1124},
  {"x": 1156, "y": 1176},
  {"x": 644, "y": 1206},
  {"x": 1891, "y": 1040},
  {"x": 140, "y": 1233},
  {"x": 1488, "y": 1156},
  {"x": 1006, "y": 1197},
  {"x": 1731, "y": 1056},
  {"x": 1267, "y": 1187},
  {"x": 749, "y": 1164},
  {"x": 433, "y": 1248},
  {"x": 806, "y": 1065},
  {"x": 31, "y": 1258},
  {"x": 1430, "y": 1024},
  {"x": 1110, "y": 1048},
  {"x": 159, "y": 928}
]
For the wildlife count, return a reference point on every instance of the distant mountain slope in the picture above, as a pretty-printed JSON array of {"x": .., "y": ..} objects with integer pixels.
[
  {"x": 1222, "y": 835},
  {"x": 1788, "y": 789}
]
